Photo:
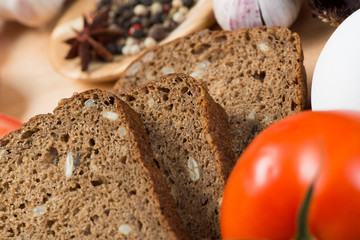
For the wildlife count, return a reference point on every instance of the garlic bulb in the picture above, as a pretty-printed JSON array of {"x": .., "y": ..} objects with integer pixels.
[
  {"x": 30, "y": 12},
  {"x": 236, "y": 14}
]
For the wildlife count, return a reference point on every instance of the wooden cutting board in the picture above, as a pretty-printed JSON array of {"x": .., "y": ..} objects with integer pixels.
[{"x": 29, "y": 85}]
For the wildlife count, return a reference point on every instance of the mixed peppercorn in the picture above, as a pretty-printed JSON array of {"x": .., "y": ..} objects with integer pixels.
[
  {"x": 125, "y": 27},
  {"x": 129, "y": 25},
  {"x": 145, "y": 22}
]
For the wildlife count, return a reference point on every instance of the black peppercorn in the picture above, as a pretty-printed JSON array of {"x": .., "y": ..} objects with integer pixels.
[
  {"x": 188, "y": 3},
  {"x": 169, "y": 25},
  {"x": 157, "y": 23},
  {"x": 156, "y": 19},
  {"x": 146, "y": 2},
  {"x": 119, "y": 11},
  {"x": 145, "y": 22},
  {"x": 119, "y": 48},
  {"x": 135, "y": 20},
  {"x": 126, "y": 24},
  {"x": 138, "y": 34},
  {"x": 126, "y": 15},
  {"x": 113, "y": 48},
  {"x": 158, "y": 32},
  {"x": 134, "y": 2}
]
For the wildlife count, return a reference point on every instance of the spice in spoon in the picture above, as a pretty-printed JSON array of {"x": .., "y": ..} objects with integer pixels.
[
  {"x": 126, "y": 27},
  {"x": 92, "y": 38}
]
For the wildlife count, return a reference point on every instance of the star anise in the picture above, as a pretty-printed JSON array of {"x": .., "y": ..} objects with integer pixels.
[{"x": 92, "y": 38}]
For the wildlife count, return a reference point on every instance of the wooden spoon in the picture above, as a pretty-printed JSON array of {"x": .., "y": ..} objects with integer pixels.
[{"x": 199, "y": 17}]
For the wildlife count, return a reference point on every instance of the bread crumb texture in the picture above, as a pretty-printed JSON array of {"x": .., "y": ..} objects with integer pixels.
[
  {"x": 84, "y": 172},
  {"x": 190, "y": 137},
  {"x": 256, "y": 75}
]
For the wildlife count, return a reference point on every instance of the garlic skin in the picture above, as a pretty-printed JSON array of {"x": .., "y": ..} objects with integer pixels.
[
  {"x": 33, "y": 13},
  {"x": 281, "y": 12},
  {"x": 237, "y": 14}
]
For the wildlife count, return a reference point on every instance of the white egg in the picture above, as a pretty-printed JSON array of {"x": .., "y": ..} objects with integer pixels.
[{"x": 336, "y": 80}]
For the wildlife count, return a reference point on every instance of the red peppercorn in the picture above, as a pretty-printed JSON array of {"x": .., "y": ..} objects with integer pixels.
[
  {"x": 133, "y": 28},
  {"x": 166, "y": 8}
]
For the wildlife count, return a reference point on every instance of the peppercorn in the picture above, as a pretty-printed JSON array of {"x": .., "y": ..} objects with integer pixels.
[
  {"x": 178, "y": 17},
  {"x": 119, "y": 48},
  {"x": 146, "y": 2},
  {"x": 140, "y": 10},
  {"x": 134, "y": 49},
  {"x": 172, "y": 12},
  {"x": 149, "y": 42},
  {"x": 157, "y": 32},
  {"x": 130, "y": 41},
  {"x": 188, "y": 3},
  {"x": 145, "y": 22},
  {"x": 134, "y": 2},
  {"x": 156, "y": 8},
  {"x": 183, "y": 10},
  {"x": 169, "y": 25},
  {"x": 133, "y": 28},
  {"x": 135, "y": 20},
  {"x": 123, "y": 23},
  {"x": 126, "y": 15},
  {"x": 114, "y": 48},
  {"x": 138, "y": 33},
  {"x": 126, "y": 50},
  {"x": 166, "y": 8},
  {"x": 120, "y": 10},
  {"x": 177, "y": 3},
  {"x": 154, "y": 19}
]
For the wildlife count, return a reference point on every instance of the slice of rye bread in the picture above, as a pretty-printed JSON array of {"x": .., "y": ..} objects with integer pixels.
[
  {"x": 257, "y": 75},
  {"x": 190, "y": 137},
  {"x": 84, "y": 172}
]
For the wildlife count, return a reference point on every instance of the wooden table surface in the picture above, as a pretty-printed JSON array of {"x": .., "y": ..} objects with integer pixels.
[{"x": 29, "y": 85}]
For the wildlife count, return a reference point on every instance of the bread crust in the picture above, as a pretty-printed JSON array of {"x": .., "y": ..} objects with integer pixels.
[
  {"x": 180, "y": 118},
  {"x": 28, "y": 214},
  {"x": 257, "y": 75}
]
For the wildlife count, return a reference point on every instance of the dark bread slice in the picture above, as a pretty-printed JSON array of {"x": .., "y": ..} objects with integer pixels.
[
  {"x": 190, "y": 137},
  {"x": 256, "y": 75},
  {"x": 85, "y": 172}
]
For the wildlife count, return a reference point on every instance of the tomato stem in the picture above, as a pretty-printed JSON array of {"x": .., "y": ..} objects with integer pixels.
[{"x": 303, "y": 231}]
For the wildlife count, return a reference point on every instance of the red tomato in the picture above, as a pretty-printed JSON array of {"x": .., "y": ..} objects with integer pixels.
[
  {"x": 270, "y": 180},
  {"x": 7, "y": 124}
]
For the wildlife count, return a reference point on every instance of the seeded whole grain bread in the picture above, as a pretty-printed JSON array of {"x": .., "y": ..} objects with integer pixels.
[
  {"x": 190, "y": 137},
  {"x": 84, "y": 172},
  {"x": 256, "y": 75}
]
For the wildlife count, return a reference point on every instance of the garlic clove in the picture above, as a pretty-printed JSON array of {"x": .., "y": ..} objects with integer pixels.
[
  {"x": 236, "y": 14},
  {"x": 31, "y": 12},
  {"x": 279, "y": 12}
]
